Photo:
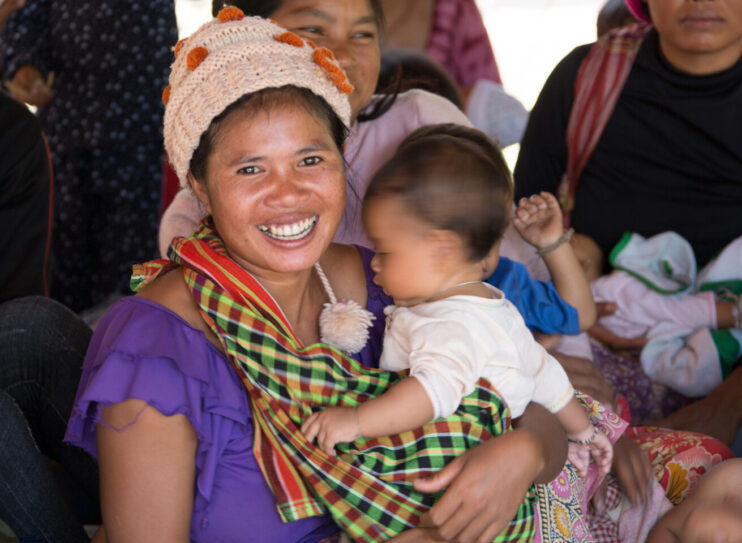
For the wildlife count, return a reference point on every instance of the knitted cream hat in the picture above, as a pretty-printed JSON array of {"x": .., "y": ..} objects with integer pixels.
[{"x": 234, "y": 55}]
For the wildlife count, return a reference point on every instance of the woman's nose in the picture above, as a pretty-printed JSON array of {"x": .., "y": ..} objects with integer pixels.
[
  {"x": 340, "y": 49},
  {"x": 286, "y": 191}
]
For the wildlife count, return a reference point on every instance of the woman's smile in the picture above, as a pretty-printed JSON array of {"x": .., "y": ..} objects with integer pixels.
[{"x": 289, "y": 232}]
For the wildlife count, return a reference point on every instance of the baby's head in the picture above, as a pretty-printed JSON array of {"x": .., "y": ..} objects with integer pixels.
[{"x": 435, "y": 210}]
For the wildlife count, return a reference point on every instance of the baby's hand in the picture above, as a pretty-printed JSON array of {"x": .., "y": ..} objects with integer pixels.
[
  {"x": 330, "y": 426},
  {"x": 538, "y": 220},
  {"x": 599, "y": 449}
]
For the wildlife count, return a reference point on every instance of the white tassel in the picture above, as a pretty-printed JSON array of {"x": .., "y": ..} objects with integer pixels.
[{"x": 343, "y": 324}]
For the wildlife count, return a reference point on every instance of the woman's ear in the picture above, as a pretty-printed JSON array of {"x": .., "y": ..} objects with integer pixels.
[{"x": 200, "y": 190}]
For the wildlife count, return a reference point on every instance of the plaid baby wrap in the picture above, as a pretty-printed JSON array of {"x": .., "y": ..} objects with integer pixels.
[{"x": 368, "y": 487}]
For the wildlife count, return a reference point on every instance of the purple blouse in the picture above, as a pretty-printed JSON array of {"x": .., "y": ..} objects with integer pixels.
[{"x": 177, "y": 370}]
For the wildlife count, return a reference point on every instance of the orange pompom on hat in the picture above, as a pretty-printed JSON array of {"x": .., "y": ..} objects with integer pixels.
[{"x": 233, "y": 55}]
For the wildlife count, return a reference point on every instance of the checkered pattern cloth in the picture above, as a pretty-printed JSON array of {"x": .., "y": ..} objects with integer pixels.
[{"x": 368, "y": 487}]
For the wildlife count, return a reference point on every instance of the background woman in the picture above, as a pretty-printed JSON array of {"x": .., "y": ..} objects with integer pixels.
[{"x": 352, "y": 30}]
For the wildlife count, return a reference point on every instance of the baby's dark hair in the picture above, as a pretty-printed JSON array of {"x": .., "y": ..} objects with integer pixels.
[{"x": 453, "y": 178}]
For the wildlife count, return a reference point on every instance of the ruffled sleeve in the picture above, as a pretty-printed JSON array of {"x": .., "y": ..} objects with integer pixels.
[{"x": 142, "y": 350}]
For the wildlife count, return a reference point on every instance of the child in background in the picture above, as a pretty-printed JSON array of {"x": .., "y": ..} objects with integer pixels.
[
  {"x": 689, "y": 317},
  {"x": 434, "y": 212}
]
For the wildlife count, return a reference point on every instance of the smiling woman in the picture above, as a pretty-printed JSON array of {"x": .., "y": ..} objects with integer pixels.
[{"x": 193, "y": 391}]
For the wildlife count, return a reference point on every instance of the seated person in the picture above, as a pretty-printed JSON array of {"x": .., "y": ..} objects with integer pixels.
[
  {"x": 639, "y": 176},
  {"x": 266, "y": 163}
]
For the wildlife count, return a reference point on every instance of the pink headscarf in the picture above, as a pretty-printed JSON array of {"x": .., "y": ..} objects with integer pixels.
[{"x": 637, "y": 10}]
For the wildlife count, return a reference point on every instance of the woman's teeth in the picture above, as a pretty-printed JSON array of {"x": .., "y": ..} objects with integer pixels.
[{"x": 289, "y": 232}]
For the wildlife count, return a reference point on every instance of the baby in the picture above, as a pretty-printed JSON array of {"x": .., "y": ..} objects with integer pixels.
[{"x": 434, "y": 212}]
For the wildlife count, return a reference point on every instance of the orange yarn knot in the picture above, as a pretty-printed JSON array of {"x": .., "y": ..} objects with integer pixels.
[
  {"x": 290, "y": 38},
  {"x": 323, "y": 58},
  {"x": 166, "y": 95},
  {"x": 196, "y": 57},
  {"x": 178, "y": 47},
  {"x": 230, "y": 13}
]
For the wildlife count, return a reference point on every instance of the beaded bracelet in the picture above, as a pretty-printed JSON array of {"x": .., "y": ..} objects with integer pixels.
[
  {"x": 585, "y": 441},
  {"x": 564, "y": 238}
]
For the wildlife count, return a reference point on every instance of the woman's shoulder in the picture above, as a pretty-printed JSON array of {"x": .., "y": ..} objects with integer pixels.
[{"x": 171, "y": 292}]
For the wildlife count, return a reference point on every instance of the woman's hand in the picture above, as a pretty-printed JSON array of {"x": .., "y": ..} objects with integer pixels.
[
  {"x": 633, "y": 470},
  {"x": 28, "y": 86},
  {"x": 474, "y": 508},
  {"x": 587, "y": 377}
]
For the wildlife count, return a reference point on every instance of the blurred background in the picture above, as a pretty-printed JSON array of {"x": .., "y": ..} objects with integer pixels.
[{"x": 529, "y": 37}]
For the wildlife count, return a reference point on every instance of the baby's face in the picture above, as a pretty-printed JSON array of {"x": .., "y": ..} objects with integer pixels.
[{"x": 405, "y": 260}]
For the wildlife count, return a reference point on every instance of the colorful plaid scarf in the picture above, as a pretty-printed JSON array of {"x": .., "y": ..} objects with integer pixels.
[{"x": 367, "y": 488}]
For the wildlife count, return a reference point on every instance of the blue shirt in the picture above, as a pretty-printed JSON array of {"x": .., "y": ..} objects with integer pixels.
[{"x": 537, "y": 301}]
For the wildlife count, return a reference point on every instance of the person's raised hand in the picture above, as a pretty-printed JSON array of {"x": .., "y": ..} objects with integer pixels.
[
  {"x": 538, "y": 220},
  {"x": 331, "y": 426},
  {"x": 633, "y": 470},
  {"x": 28, "y": 86},
  {"x": 7, "y": 7},
  {"x": 474, "y": 508}
]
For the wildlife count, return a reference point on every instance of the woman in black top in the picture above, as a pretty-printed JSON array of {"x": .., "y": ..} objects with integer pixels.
[{"x": 669, "y": 158}]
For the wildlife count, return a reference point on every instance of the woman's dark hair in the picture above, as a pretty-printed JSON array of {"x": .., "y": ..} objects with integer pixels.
[
  {"x": 453, "y": 178},
  {"x": 261, "y": 101},
  {"x": 405, "y": 69},
  {"x": 614, "y": 14}
]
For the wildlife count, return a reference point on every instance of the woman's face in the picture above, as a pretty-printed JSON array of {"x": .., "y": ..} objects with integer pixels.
[
  {"x": 275, "y": 187},
  {"x": 701, "y": 36},
  {"x": 349, "y": 29}
]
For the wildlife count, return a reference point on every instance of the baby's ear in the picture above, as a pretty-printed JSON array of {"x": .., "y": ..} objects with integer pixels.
[{"x": 445, "y": 242}]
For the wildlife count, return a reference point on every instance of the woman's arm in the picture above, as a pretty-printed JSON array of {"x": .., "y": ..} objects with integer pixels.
[
  {"x": 147, "y": 473},
  {"x": 718, "y": 415},
  {"x": 474, "y": 508}
]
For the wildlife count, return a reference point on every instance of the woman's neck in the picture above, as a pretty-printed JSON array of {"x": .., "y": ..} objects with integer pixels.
[
  {"x": 300, "y": 296},
  {"x": 695, "y": 63}
]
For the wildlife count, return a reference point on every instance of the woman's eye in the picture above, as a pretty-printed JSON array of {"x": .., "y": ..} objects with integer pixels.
[
  {"x": 249, "y": 170},
  {"x": 311, "y": 161},
  {"x": 364, "y": 35},
  {"x": 309, "y": 30}
]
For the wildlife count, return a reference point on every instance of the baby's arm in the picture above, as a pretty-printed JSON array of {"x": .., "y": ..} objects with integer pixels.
[
  {"x": 403, "y": 407},
  {"x": 538, "y": 220},
  {"x": 585, "y": 440}
]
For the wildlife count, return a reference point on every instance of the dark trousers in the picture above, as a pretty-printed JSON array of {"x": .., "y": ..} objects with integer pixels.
[{"x": 47, "y": 488}]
